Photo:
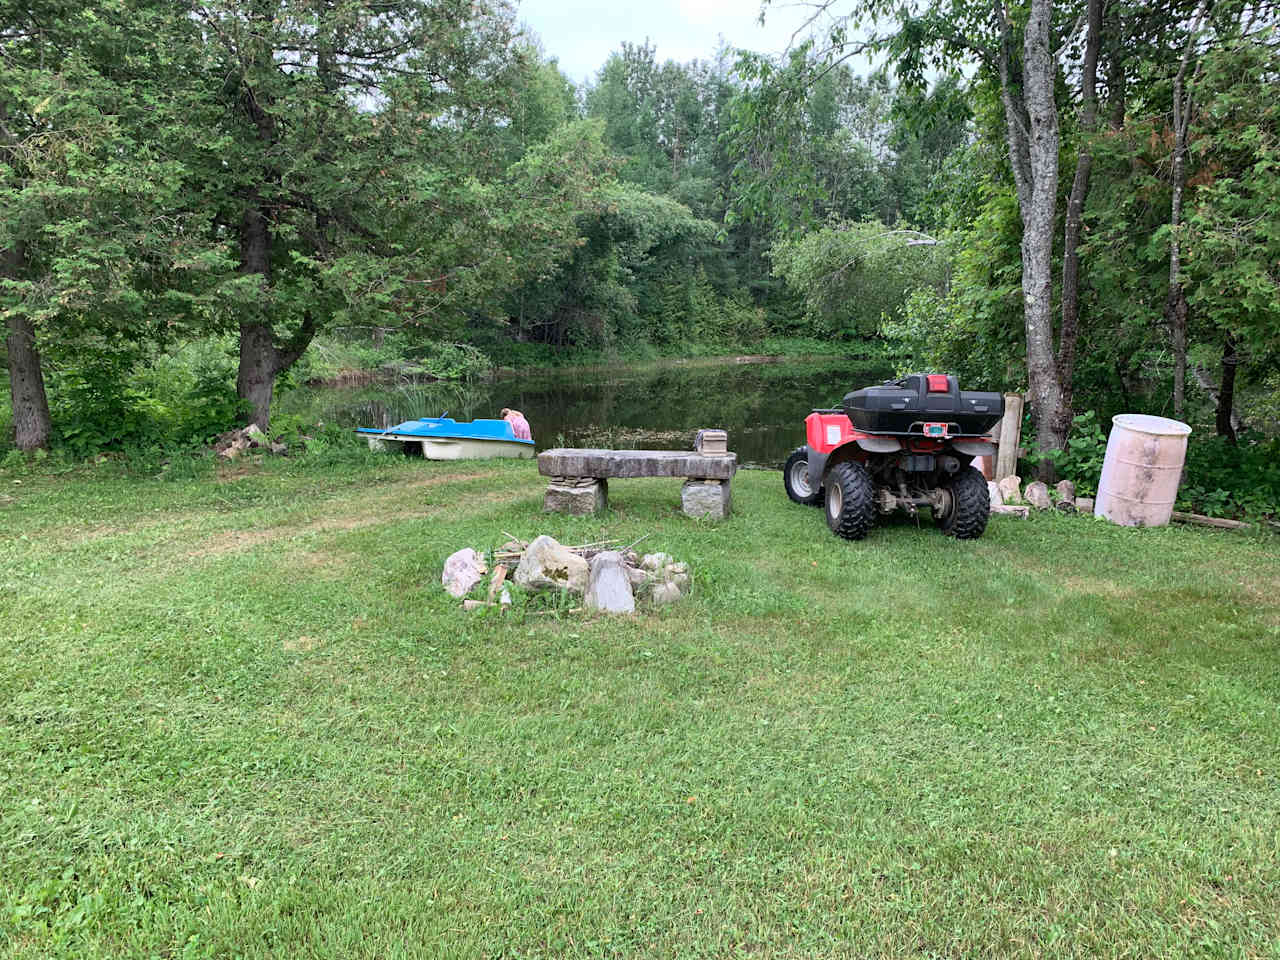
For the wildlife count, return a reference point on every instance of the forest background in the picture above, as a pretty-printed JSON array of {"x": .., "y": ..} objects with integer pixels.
[{"x": 204, "y": 203}]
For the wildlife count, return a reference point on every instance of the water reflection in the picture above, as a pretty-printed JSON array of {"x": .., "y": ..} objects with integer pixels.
[{"x": 763, "y": 406}]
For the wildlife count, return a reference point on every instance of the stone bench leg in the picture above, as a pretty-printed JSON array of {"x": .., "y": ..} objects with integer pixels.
[
  {"x": 578, "y": 496},
  {"x": 706, "y": 498}
]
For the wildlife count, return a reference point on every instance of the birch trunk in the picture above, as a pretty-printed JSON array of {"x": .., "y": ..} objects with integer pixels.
[{"x": 1075, "y": 213}]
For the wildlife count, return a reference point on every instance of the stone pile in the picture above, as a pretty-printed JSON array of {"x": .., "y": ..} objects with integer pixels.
[
  {"x": 609, "y": 581},
  {"x": 1008, "y": 496},
  {"x": 234, "y": 443}
]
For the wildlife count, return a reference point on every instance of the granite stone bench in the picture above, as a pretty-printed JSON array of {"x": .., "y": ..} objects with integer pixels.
[{"x": 579, "y": 478}]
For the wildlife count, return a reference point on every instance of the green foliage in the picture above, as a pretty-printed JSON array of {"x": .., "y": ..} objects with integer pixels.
[
  {"x": 854, "y": 276},
  {"x": 1240, "y": 480},
  {"x": 177, "y": 400},
  {"x": 1081, "y": 461}
]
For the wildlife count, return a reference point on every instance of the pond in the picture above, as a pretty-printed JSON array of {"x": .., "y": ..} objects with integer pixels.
[{"x": 762, "y": 404}]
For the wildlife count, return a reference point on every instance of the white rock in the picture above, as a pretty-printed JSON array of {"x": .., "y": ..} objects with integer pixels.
[
  {"x": 546, "y": 565},
  {"x": 462, "y": 571},
  {"x": 1066, "y": 490},
  {"x": 655, "y": 561},
  {"x": 609, "y": 587},
  {"x": 1011, "y": 488},
  {"x": 1037, "y": 495},
  {"x": 664, "y": 593},
  {"x": 994, "y": 494}
]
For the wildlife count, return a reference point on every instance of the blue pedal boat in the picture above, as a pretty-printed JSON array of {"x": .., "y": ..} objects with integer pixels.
[{"x": 443, "y": 438}]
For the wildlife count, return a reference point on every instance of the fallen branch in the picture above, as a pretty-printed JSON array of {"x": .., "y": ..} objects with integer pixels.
[
  {"x": 582, "y": 549},
  {"x": 634, "y": 542},
  {"x": 1202, "y": 521},
  {"x": 499, "y": 575}
]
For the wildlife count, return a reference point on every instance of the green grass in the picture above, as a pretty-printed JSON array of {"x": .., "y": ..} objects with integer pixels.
[{"x": 240, "y": 718}]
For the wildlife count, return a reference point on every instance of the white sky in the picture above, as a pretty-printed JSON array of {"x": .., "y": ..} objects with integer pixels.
[{"x": 581, "y": 34}]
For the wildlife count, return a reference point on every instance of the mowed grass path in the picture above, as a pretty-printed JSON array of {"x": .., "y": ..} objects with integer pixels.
[{"x": 239, "y": 717}]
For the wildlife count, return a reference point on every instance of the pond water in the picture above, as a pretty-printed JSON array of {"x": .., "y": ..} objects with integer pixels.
[{"x": 761, "y": 404}]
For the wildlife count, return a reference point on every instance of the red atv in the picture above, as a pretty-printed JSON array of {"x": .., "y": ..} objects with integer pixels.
[{"x": 907, "y": 444}]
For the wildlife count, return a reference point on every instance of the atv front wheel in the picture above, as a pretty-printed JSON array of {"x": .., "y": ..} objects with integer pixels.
[
  {"x": 851, "y": 507},
  {"x": 970, "y": 505},
  {"x": 795, "y": 477}
]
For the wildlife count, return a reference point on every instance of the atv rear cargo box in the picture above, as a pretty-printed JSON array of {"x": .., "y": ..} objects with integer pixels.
[{"x": 904, "y": 407}]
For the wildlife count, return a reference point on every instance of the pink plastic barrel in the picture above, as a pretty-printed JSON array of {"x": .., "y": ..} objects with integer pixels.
[{"x": 1142, "y": 469}]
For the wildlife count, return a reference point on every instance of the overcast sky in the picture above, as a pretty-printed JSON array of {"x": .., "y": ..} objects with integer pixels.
[{"x": 582, "y": 33}]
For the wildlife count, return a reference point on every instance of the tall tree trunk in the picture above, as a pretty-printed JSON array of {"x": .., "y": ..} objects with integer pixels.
[
  {"x": 256, "y": 377},
  {"x": 1225, "y": 421},
  {"x": 1075, "y": 213},
  {"x": 1031, "y": 122},
  {"x": 31, "y": 422},
  {"x": 1175, "y": 307}
]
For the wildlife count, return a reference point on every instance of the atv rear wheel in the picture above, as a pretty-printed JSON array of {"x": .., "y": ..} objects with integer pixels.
[
  {"x": 795, "y": 477},
  {"x": 851, "y": 507},
  {"x": 969, "y": 506}
]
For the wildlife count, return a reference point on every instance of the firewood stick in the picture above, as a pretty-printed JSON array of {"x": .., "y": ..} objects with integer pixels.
[{"x": 499, "y": 575}]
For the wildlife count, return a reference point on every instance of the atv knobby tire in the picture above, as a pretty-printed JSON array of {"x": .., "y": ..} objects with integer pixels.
[
  {"x": 851, "y": 507},
  {"x": 795, "y": 477},
  {"x": 970, "y": 506}
]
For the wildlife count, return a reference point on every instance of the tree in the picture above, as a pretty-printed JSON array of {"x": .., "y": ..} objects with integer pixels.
[
  {"x": 103, "y": 251},
  {"x": 854, "y": 276},
  {"x": 334, "y": 111}
]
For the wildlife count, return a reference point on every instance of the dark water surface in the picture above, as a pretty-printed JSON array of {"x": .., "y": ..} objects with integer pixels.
[{"x": 761, "y": 405}]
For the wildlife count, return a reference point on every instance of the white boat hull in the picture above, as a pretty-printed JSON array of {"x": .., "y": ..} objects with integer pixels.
[{"x": 454, "y": 449}]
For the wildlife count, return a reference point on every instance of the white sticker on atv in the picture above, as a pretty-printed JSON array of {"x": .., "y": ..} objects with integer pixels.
[{"x": 833, "y": 433}]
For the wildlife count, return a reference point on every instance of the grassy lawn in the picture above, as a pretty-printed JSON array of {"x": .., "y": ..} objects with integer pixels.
[{"x": 239, "y": 717}]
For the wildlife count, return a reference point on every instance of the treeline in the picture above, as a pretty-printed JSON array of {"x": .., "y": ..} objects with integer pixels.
[
  {"x": 271, "y": 172},
  {"x": 1112, "y": 227},
  {"x": 1077, "y": 199}
]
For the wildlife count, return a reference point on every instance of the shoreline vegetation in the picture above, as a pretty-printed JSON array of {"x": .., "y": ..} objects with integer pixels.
[
  {"x": 243, "y": 718},
  {"x": 180, "y": 403}
]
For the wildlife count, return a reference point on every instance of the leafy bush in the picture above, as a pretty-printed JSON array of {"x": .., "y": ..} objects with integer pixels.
[
  {"x": 452, "y": 361},
  {"x": 1081, "y": 462},
  {"x": 1225, "y": 480},
  {"x": 179, "y": 399}
]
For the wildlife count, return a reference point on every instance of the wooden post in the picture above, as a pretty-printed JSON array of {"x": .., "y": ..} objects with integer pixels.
[{"x": 1010, "y": 437}]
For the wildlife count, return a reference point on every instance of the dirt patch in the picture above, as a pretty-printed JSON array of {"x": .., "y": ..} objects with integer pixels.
[
  {"x": 76, "y": 534},
  {"x": 300, "y": 645},
  {"x": 233, "y": 541},
  {"x": 371, "y": 512},
  {"x": 1095, "y": 586}
]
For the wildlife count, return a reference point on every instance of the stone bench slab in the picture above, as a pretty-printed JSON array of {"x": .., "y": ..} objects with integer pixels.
[{"x": 608, "y": 464}]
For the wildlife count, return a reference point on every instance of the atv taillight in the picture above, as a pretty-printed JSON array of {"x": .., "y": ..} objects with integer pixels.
[{"x": 938, "y": 383}]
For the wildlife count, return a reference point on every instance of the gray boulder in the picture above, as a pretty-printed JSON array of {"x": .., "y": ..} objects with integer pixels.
[
  {"x": 665, "y": 580},
  {"x": 578, "y": 499},
  {"x": 462, "y": 571},
  {"x": 1037, "y": 495},
  {"x": 664, "y": 593},
  {"x": 706, "y": 498},
  {"x": 1066, "y": 491},
  {"x": 546, "y": 565},
  {"x": 608, "y": 585},
  {"x": 994, "y": 494},
  {"x": 1084, "y": 504}
]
